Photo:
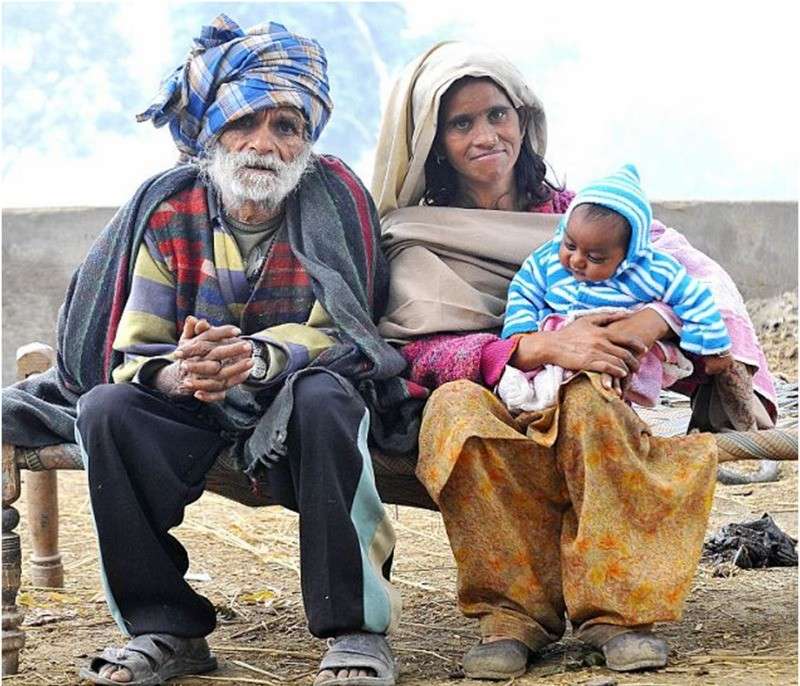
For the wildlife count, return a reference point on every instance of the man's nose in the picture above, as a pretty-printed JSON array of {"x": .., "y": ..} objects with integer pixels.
[{"x": 262, "y": 140}]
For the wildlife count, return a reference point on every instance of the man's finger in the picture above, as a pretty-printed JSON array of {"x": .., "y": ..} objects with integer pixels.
[
  {"x": 202, "y": 383},
  {"x": 208, "y": 397},
  {"x": 189, "y": 327},
  {"x": 231, "y": 371},
  {"x": 219, "y": 333},
  {"x": 226, "y": 351},
  {"x": 202, "y": 367}
]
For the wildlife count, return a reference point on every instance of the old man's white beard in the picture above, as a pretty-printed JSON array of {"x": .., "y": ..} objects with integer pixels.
[{"x": 237, "y": 184}]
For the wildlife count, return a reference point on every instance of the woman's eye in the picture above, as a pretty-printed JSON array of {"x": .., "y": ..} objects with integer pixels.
[
  {"x": 497, "y": 114},
  {"x": 460, "y": 124}
]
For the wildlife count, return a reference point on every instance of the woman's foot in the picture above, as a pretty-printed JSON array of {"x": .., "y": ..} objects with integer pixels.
[
  {"x": 496, "y": 658},
  {"x": 635, "y": 650}
]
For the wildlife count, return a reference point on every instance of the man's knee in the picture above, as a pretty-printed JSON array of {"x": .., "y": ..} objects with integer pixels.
[
  {"x": 323, "y": 398},
  {"x": 106, "y": 404}
]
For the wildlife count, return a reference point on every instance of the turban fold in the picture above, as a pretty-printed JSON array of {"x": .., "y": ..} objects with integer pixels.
[{"x": 230, "y": 73}]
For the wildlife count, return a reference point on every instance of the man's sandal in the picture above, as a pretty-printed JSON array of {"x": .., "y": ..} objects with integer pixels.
[
  {"x": 496, "y": 660},
  {"x": 635, "y": 650},
  {"x": 359, "y": 651},
  {"x": 152, "y": 659}
]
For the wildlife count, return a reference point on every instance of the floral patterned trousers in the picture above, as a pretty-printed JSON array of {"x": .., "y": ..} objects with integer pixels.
[{"x": 576, "y": 511}]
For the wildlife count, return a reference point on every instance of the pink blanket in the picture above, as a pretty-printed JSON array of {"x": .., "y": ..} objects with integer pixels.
[{"x": 745, "y": 346}]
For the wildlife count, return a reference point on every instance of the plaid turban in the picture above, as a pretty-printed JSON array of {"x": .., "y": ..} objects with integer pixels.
[{"x": 230, "y": 73}]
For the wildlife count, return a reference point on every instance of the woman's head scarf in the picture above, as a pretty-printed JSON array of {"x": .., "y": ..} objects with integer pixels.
[
  {"x": 409, "y": 122},
  {"x": 230, "y": 73}
]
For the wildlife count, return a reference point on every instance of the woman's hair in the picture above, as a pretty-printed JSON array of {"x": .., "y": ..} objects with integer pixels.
[{"x": 441, "y": 180}]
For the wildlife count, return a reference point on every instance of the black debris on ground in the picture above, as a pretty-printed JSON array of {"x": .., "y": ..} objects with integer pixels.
[{"x": 759, "y": 543}]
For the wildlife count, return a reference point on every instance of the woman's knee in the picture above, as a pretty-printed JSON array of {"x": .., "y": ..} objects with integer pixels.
[{"x": 454, "y": 394}]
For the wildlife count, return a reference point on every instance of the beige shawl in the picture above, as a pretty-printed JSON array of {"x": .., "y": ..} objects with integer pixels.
[
  {"x": 409, "y": 121},
  {"x": 450, "y": 267}
]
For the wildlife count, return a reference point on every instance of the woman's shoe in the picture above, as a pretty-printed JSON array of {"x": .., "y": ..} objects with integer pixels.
[
  {"x": 635, "y": 650},
  {"x": 496, "y": 660}
]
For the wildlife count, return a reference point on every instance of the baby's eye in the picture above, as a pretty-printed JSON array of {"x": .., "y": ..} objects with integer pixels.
[
  {"x": 596, "y": 260},
  {"x": 569, "y": 246}
]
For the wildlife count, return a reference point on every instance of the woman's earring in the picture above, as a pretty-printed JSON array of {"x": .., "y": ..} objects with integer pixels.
[{"x": 439, "y": 158}]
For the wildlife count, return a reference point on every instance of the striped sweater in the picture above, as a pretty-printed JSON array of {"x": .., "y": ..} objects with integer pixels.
[
  {"x": 189, "y": 263},
  {"x": 543, "y": 286}
]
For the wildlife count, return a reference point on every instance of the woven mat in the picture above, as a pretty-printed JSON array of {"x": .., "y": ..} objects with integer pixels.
[{"x": 671, "y": 416}]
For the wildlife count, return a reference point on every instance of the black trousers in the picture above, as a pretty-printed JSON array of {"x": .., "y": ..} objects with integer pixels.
[{"x": 147, "y": 457}]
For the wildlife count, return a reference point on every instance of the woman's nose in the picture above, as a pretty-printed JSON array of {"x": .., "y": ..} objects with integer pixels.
[{"x": 486, "y": 135}]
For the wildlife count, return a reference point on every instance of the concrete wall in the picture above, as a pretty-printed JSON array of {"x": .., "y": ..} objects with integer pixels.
[{"x": 755, "y": 241}]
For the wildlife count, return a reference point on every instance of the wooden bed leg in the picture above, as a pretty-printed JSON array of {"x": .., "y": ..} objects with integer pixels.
[
  {"x": 42, "y": 495},
  {"x": 42, "y": 489},
  {"x": 13, "y": 636}
]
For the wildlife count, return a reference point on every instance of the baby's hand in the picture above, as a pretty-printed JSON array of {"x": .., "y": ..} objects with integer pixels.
[
  {"x": 716, "y": 364},
  {"x": 611, "y": 383}
]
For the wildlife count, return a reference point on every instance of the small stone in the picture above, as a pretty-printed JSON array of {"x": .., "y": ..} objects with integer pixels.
[
  {"x": 601, "y": 681},
  {"x": 594, "y": 659}
]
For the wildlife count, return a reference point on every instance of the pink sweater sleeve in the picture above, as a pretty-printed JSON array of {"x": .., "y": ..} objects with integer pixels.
[
  {"x": 494, "y": 358},
  {"x": 435, "y": 360}
]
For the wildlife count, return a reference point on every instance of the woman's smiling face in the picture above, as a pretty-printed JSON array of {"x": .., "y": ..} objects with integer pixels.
[{"x": 480, "y": 132}]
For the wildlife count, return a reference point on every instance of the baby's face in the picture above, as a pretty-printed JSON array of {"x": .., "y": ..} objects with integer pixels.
[{"x": 592, "y": 249}]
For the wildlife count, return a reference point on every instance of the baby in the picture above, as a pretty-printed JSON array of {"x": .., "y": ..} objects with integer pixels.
[{"x": 599, "y": 260}]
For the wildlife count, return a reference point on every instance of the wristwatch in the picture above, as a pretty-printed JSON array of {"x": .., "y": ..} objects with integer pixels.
[{"x": 258, "y": 372}]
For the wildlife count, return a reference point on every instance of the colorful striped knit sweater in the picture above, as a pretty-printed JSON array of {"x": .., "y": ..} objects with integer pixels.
[
  {"x": 184, "y": 268},
  {"x": 543, "y": 286}
]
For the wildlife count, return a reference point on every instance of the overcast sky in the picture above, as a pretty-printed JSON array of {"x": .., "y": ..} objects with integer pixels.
[{"x": 703, "y": 96}]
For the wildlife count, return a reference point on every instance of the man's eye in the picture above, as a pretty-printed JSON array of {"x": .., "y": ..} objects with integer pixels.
[
  {"x": 287, "y": 127},
  {"x": 245, "y": 122}
]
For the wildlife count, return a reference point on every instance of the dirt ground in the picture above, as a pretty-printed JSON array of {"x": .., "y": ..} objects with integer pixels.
[{"x": 738, "y": 628}]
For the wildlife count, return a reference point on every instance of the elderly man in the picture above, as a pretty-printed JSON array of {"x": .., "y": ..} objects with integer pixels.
[{"x": 246, "y": 321}]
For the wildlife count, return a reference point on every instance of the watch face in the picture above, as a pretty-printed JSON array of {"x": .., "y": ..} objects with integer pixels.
[{"x": 259, "y": 369}]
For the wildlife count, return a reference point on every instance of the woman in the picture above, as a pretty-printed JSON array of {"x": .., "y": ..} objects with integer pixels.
[{"x": 576, "y": 510}]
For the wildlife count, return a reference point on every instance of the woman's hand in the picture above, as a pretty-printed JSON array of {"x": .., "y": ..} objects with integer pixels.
[
  {"x": 716, "y": 364},
  {"x": 210, "y": 360},
  {"x": 587, "y": 344},
  {"x": 645, "y": 324}
]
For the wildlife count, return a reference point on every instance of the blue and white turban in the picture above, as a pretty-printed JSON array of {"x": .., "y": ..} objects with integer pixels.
[{"x": 230, "y": 73}]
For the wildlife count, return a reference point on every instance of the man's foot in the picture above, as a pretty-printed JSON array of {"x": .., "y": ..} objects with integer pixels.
[
  {"x": 150, "y": 659},
  {"x": 359, "y": 659},
  {"x": 496, "y": 658},
  {"x": 635, "y": 650}
]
